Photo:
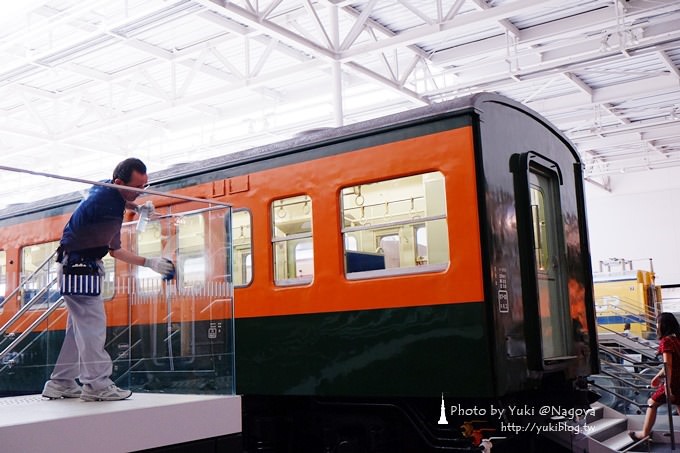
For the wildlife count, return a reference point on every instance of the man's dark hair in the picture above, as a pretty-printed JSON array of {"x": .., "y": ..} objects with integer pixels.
[{"x": 124, "y": 169}]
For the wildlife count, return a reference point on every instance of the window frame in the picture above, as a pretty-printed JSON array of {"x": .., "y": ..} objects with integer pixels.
[
  {"x": 3, "y": 264},
  {"x": 182, "y": 256},
  {"x": 23, "y": 274},
  {"x": 294, "y": 281},
  {"x": 389, "y": 229},
  {"x": 252, "y": 246}
]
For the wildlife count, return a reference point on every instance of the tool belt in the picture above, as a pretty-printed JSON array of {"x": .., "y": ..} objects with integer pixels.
[{"x": 80, "y": 276}]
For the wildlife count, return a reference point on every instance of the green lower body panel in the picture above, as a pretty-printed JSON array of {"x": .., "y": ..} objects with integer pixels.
[
  {"x": 414, "y": 351},
  {"x": 200, "y": 361}
]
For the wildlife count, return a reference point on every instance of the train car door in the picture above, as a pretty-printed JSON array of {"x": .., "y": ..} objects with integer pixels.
[
  {"x": 543, "y": 262},
  {"x": 549, "y": 262}
]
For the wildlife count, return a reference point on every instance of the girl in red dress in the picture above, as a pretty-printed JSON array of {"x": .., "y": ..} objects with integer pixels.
[{"x": 668, "y": 331}]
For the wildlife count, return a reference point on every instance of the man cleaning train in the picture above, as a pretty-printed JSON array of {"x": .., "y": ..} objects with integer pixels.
[{"x": 93, "y": 231}]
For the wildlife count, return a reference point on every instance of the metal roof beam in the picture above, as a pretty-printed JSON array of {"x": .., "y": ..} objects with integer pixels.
[
  {"x": 358, "y": 26},
  {"x": 286, "y": 36},
  {"x": 626, "y": 135},
  {"x": 385, "y": 82},
  {"x": 580, "y": 84},
  {"x": 612, "y": 111},
  {"x": 569, "y": 27},
  {"x": 629, "y": 90},
  {"x": 669, "y": 64},
  {"x": 439, "y": 31},
  {"x": 268, "y": 27},
  {"x": 150, "y": 111},
  {"x": 505, "y": 24}
]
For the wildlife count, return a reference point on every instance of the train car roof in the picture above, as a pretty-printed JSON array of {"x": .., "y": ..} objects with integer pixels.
[{"x": 169, "y": 177}]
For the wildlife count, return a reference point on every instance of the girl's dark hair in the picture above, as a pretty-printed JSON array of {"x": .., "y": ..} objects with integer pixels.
[
  {"x": 123, "y": 170},
  {"x": 668, "y": 325}
]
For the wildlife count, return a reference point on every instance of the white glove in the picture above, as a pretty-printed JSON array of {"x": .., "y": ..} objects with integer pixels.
[{"x": 160, "y": 265}]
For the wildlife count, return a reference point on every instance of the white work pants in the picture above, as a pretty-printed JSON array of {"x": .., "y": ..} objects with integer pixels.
[{"x": 82, "y": 354}]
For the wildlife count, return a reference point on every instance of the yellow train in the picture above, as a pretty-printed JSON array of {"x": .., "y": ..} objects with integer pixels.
[{"x": 627, "y": 301}]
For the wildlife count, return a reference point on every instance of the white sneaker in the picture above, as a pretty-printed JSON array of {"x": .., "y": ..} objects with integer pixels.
[
  {"x": 54, "y": 390},
  {"x": 110, "y": 393}
]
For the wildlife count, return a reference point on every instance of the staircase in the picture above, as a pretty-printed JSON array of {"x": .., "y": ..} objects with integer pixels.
[
  {"x": 628, "y": 364},
  {"x": 40, "y": 289},
  {"x": 605, "y": 430}
]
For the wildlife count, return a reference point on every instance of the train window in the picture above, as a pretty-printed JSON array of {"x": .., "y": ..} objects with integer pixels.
[
  {"x": 292, "y": 240},
  {"x": 242, "y": 266},
  {"x": 192, "y": 249},
  {"x": 148, "y": 246},
  {"x": 32, "y": 256},
  {"x": 3, "y": 274},
  {"x": 396, "y": 226}
]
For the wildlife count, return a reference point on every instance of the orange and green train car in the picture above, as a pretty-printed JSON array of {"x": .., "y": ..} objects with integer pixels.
[{"x": 380, "y": 265}]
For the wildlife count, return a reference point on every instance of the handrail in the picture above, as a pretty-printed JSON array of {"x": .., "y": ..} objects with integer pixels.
[
  {"x": 26, "y": 280},
  {"x": 631, "y": 317},
  {"x": 26, "y": 307},
  {"x": 625, "y": 301},
  {"x": 639, "y": 315},
  {"x": 10, "y": 363},
  {"x": 669, "y": 404},
  {"x": 616, "y": 353},
  {"x": 631, "y": 338},
  {"x": 32, "y": 327},
  {"x": 631, "y": 303},
  {"x": 629, "y": 384},
  {"x": 633, "y": 402}
]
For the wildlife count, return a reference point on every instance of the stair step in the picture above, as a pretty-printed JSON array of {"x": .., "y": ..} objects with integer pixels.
[
  {"x": 618, "y": 442},
  {"x": 596, "y": 415},
  {"x": 607, "y": 427}
]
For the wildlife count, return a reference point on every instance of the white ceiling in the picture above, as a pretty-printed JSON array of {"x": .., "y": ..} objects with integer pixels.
[{"x": 84, "y": 84}]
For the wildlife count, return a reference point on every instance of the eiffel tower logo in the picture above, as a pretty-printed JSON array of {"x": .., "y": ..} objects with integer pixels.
[{"x": 442, "y": 416}]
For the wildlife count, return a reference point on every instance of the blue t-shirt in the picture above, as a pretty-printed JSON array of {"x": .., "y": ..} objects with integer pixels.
[{"x": 94, "y": 227}]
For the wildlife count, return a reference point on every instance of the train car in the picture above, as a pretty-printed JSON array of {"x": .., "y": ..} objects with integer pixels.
[
  {"x": 384, "y": 268},
  {"x": 627, "y": 301}
]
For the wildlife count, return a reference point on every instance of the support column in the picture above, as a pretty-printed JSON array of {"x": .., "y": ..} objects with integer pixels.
[{"x": 336, "y": 70}]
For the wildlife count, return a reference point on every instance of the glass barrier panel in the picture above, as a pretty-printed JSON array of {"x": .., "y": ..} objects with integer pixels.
[
  {"x": 179, "y": 336},
  {"x": 171, "y": 336}
]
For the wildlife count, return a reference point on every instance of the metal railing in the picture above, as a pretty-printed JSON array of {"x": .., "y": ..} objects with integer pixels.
[
  {"x": 27, "y": 279},
  {"x": 629, "y": 310},
  {"x": 14, "y": 341},
  {"x": 624, "y": 371}
]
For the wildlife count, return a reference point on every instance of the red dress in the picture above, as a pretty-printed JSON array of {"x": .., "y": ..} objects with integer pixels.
[{"x": 670, "y": 344}]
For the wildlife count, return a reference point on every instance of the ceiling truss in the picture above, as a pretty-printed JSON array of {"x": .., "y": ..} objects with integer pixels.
[{"x": 173, "y": 80}]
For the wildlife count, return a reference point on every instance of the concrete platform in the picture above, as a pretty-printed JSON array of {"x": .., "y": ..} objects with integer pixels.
[{"x": 146, "y": 420}]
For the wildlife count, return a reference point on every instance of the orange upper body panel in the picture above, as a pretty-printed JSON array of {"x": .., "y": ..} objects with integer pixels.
[{"x": 450, "y": 152}]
